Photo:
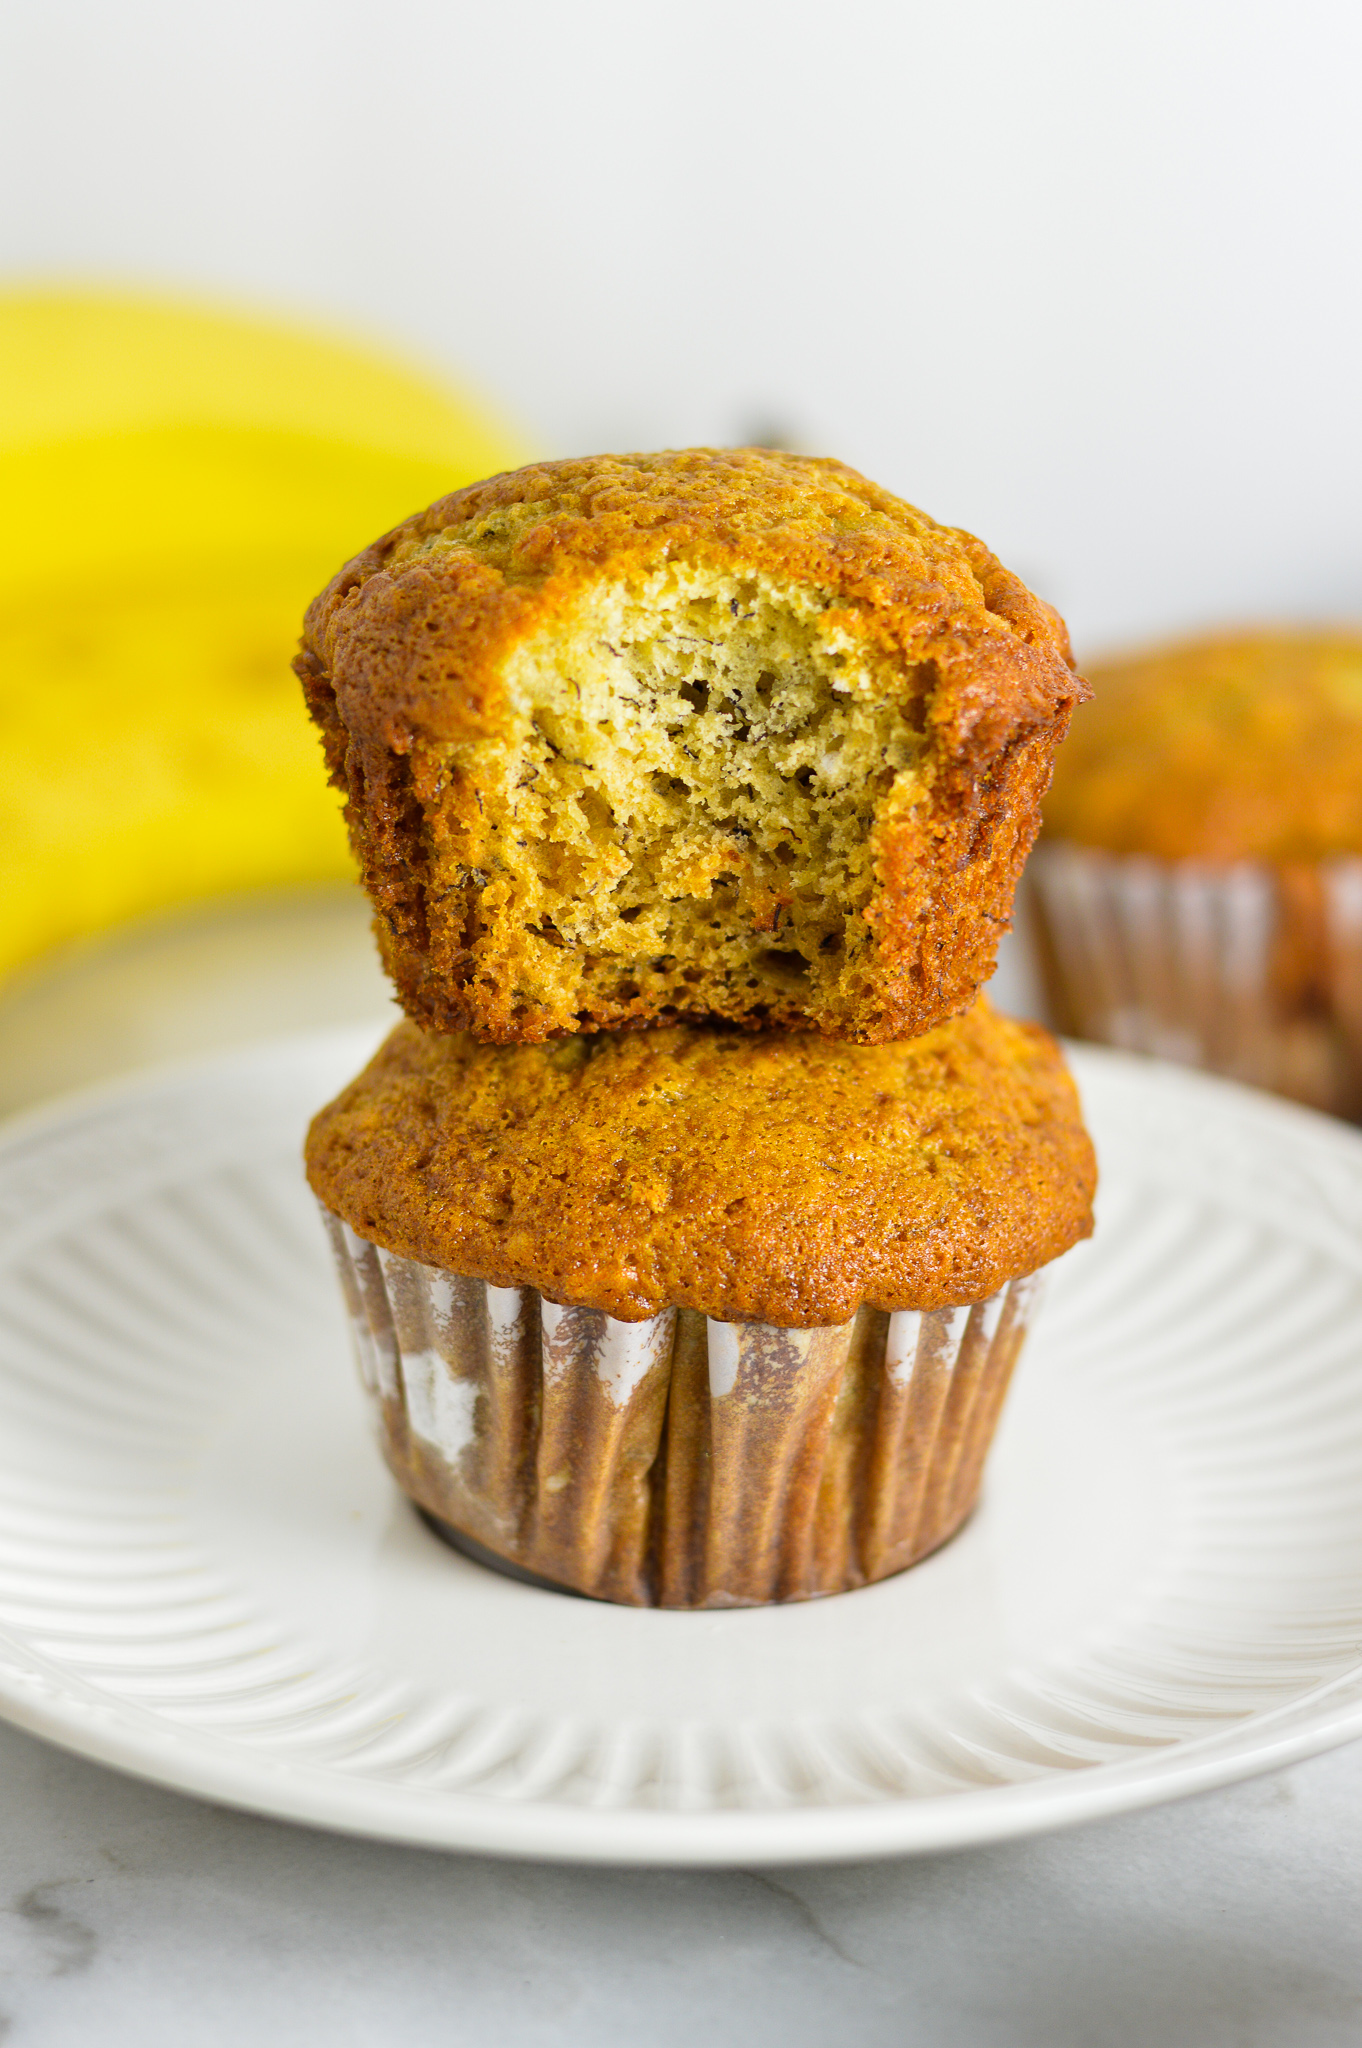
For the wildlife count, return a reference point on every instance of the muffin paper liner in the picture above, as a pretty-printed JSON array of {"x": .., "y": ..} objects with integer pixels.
[
  {"x": 679, "y": 1462},
  {"x": 1250, "y": 970}
]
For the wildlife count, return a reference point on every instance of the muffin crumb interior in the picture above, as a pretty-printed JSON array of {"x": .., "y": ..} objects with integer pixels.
[{"x": 684, "y": 798}]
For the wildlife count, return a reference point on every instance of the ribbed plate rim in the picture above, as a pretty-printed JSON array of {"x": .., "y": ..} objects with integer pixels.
[{"x": 54, "y": 1704}]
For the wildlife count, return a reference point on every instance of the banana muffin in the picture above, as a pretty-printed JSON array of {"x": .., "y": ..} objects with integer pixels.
[
  {"x": 1200, "y": 880},
  {"x": 1243, "y": 746},
  {"x": 707, "y": 734},
  {"x": 696, "y": 1317}
]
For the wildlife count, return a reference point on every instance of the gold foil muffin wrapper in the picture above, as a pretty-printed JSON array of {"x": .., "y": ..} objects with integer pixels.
[
  {"x": 1249, "y": 970},
  {"x": 679, "y": 1462}
]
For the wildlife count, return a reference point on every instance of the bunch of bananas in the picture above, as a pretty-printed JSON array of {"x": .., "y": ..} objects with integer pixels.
[{"x": 176, "y": 484}]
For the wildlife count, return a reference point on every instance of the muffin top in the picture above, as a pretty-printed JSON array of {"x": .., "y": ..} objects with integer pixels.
[
  {"x": 415, "y": 629},
  {"x": 1241, "y": 747},
  {"x": 783, "y": 1179}
]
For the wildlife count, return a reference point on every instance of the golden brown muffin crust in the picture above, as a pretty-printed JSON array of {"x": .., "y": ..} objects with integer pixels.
[
  {"x": 1242, "y": 746},
  {"x": 408, "y": 659},
  {"x": 778, "y": 1179}
]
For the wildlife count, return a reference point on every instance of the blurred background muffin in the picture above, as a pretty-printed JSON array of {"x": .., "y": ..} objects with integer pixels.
[{"x": 1198, "y": 889}]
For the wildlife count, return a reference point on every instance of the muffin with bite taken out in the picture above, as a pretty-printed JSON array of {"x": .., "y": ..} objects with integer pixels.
[{"x": 712, "y": 734}]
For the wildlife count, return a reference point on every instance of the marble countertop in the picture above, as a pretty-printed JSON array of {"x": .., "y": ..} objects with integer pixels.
[{"x": 136, "y": 1918}]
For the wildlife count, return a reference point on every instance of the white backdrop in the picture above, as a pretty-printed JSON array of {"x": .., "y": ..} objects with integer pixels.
[{"x": 1083, "y": 276}]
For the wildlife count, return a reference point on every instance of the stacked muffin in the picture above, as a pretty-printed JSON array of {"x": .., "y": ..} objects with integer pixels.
[{"x": 689, "y": 1226}]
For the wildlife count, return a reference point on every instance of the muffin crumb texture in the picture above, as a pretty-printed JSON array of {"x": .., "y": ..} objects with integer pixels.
[
  {"x": 726, "y": 735},
  {"x": 755, "y": 1178}
]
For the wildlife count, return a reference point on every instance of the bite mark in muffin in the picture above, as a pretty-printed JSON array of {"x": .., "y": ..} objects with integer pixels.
[{"x": 732, "y": 735}]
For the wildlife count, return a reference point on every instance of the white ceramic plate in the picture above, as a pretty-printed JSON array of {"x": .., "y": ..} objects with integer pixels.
[{"x": 207, "y": 1578}]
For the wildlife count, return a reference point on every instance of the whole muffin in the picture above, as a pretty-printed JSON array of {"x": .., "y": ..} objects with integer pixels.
[
  {"x": 694, "y": 1317},
  {"x": 1200, "y": 880},
  {"x": 709, "y": 734}
]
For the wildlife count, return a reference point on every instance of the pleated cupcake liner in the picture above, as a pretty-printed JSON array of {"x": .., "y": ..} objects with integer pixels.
[
  {"x": 1246, "y": 969},
  {"x": 680, "y": 1462}
]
